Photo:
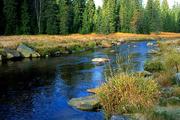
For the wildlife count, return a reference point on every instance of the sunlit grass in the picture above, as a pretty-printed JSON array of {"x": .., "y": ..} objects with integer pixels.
[{"x": 124, "y": 93}]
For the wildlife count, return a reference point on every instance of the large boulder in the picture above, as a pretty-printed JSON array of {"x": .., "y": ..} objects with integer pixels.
[
  {"x": 11, "y": 53},
  {"x": 89, "y": 103},
  {"x": 27, "y": 52}
]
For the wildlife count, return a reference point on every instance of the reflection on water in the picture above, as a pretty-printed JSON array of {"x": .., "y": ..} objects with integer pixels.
[{"x": 39, "y": 89}]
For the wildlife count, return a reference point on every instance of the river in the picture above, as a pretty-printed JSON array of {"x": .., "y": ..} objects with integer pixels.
[{"x": 39, "y": 89}]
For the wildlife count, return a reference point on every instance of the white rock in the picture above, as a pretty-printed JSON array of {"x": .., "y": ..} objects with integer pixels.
[
  {"x": 149, "y": 44},
  {"x": 100, "y": 60}
]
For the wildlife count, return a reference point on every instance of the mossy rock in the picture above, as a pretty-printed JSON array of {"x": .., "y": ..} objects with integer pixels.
[
  {"x": 154, "y": 66},
  {"x": 166, "y": 113},
  {"x": 27, "y": 52},
  {"x": 89, "y": 103},
  {"x": 10, "y": 53}
]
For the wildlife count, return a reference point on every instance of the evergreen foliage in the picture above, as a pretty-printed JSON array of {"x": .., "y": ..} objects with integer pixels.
[
  {"x": 87, "y": 23},
  {"x": 25, "y": 18},
  {"x": 82, "y": 16}
]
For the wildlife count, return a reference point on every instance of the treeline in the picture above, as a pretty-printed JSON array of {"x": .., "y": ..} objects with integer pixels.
[{"x": 82, "y": 16}]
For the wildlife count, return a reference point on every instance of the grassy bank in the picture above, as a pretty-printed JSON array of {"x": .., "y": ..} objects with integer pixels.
[
  {"x": 49, "y": 44},
  {"x": 155, "y": 97}
]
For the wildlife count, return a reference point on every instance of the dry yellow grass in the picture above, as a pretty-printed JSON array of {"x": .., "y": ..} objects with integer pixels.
[{"x": 12, "y": 41}]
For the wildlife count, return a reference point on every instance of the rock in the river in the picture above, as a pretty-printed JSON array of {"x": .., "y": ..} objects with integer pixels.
[
  {"x": 27, "y": 52},
  {"x": 177, "y": 78},
  {"x": 85, "y": 103},
  {"x": 153, "y": 51},
  {"x": 149, "y": 44},
  {"x": 11, "y": 53},
  {"x": 118, "y": 117},
  {"x": 143, "y": 73},
  {"x": 0, "y": 57},
  {"x": 100, "y": 60}
]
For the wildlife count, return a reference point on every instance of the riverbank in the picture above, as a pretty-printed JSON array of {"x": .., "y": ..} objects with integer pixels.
[{"x": 57, "y": 45}]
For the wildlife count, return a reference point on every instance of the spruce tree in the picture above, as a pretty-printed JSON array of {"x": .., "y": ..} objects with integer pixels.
[
  {"x": 63, "y": 16},
  {"x": 25, "y": 18},
  {"x": 124, "y": 15},
  {"x": 164, "y": 15},
  {"x": 88, "y": 15},
  {"x": 78, "y": 10},
  {"x": 153, "y": 15},
  {"x": 108, "y": 16},
  {"x": 178, "y": 22},
  {"x": 97, "y": 20},
  {"x": 10, "y": 16},
  {"x": 51, "y": 14},
  {"x": 2, "y": 20}
]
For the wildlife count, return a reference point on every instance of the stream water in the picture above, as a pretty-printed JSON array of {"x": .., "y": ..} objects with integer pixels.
[{"x": 39, "y": 89}]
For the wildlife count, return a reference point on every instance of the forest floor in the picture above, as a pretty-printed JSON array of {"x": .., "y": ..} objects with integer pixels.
[{"x": 45, "y": 44}]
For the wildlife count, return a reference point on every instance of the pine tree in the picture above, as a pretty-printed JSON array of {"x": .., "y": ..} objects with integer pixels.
[
  {"x": 108, "y": 16},
  {"x": 10, "y": 16},
  {"x": 165, "y": 14},
  {"x": 2, "y": 20},
  {"x": 63, "y": 16},
  {"x": 124, "y": 14},
  {"x": 153, "y": 15},
  {"x": 135, "y": 18},
  {"x": 25, "y": 18},
  {"x": 78, "y": 10},
  {"x": 97, "y": 20},
  {"x": 178, "y": 22},
  {"x": 157, "y": 17},
  {"x": 51, "y": 13},
  {"x": 87, "y": 23}
]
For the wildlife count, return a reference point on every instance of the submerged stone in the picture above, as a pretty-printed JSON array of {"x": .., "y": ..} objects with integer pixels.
[
  {"x": 89, "y": 103},
  {"x": 27, "y": 52}
]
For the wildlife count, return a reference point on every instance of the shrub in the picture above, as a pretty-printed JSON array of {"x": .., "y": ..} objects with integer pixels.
[
  {"x": 172, "y": 60},
  {"x": 125, "y": 93},
  {"x": 176, "y": 91},
  {"x": 165, "y": 79},
  {"x": 153, "y": 66}
]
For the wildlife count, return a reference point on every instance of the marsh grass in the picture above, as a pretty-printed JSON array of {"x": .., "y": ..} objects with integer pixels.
[
  {"x": 124, "y": 93},
  {"x": 164, "y": 78}
]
